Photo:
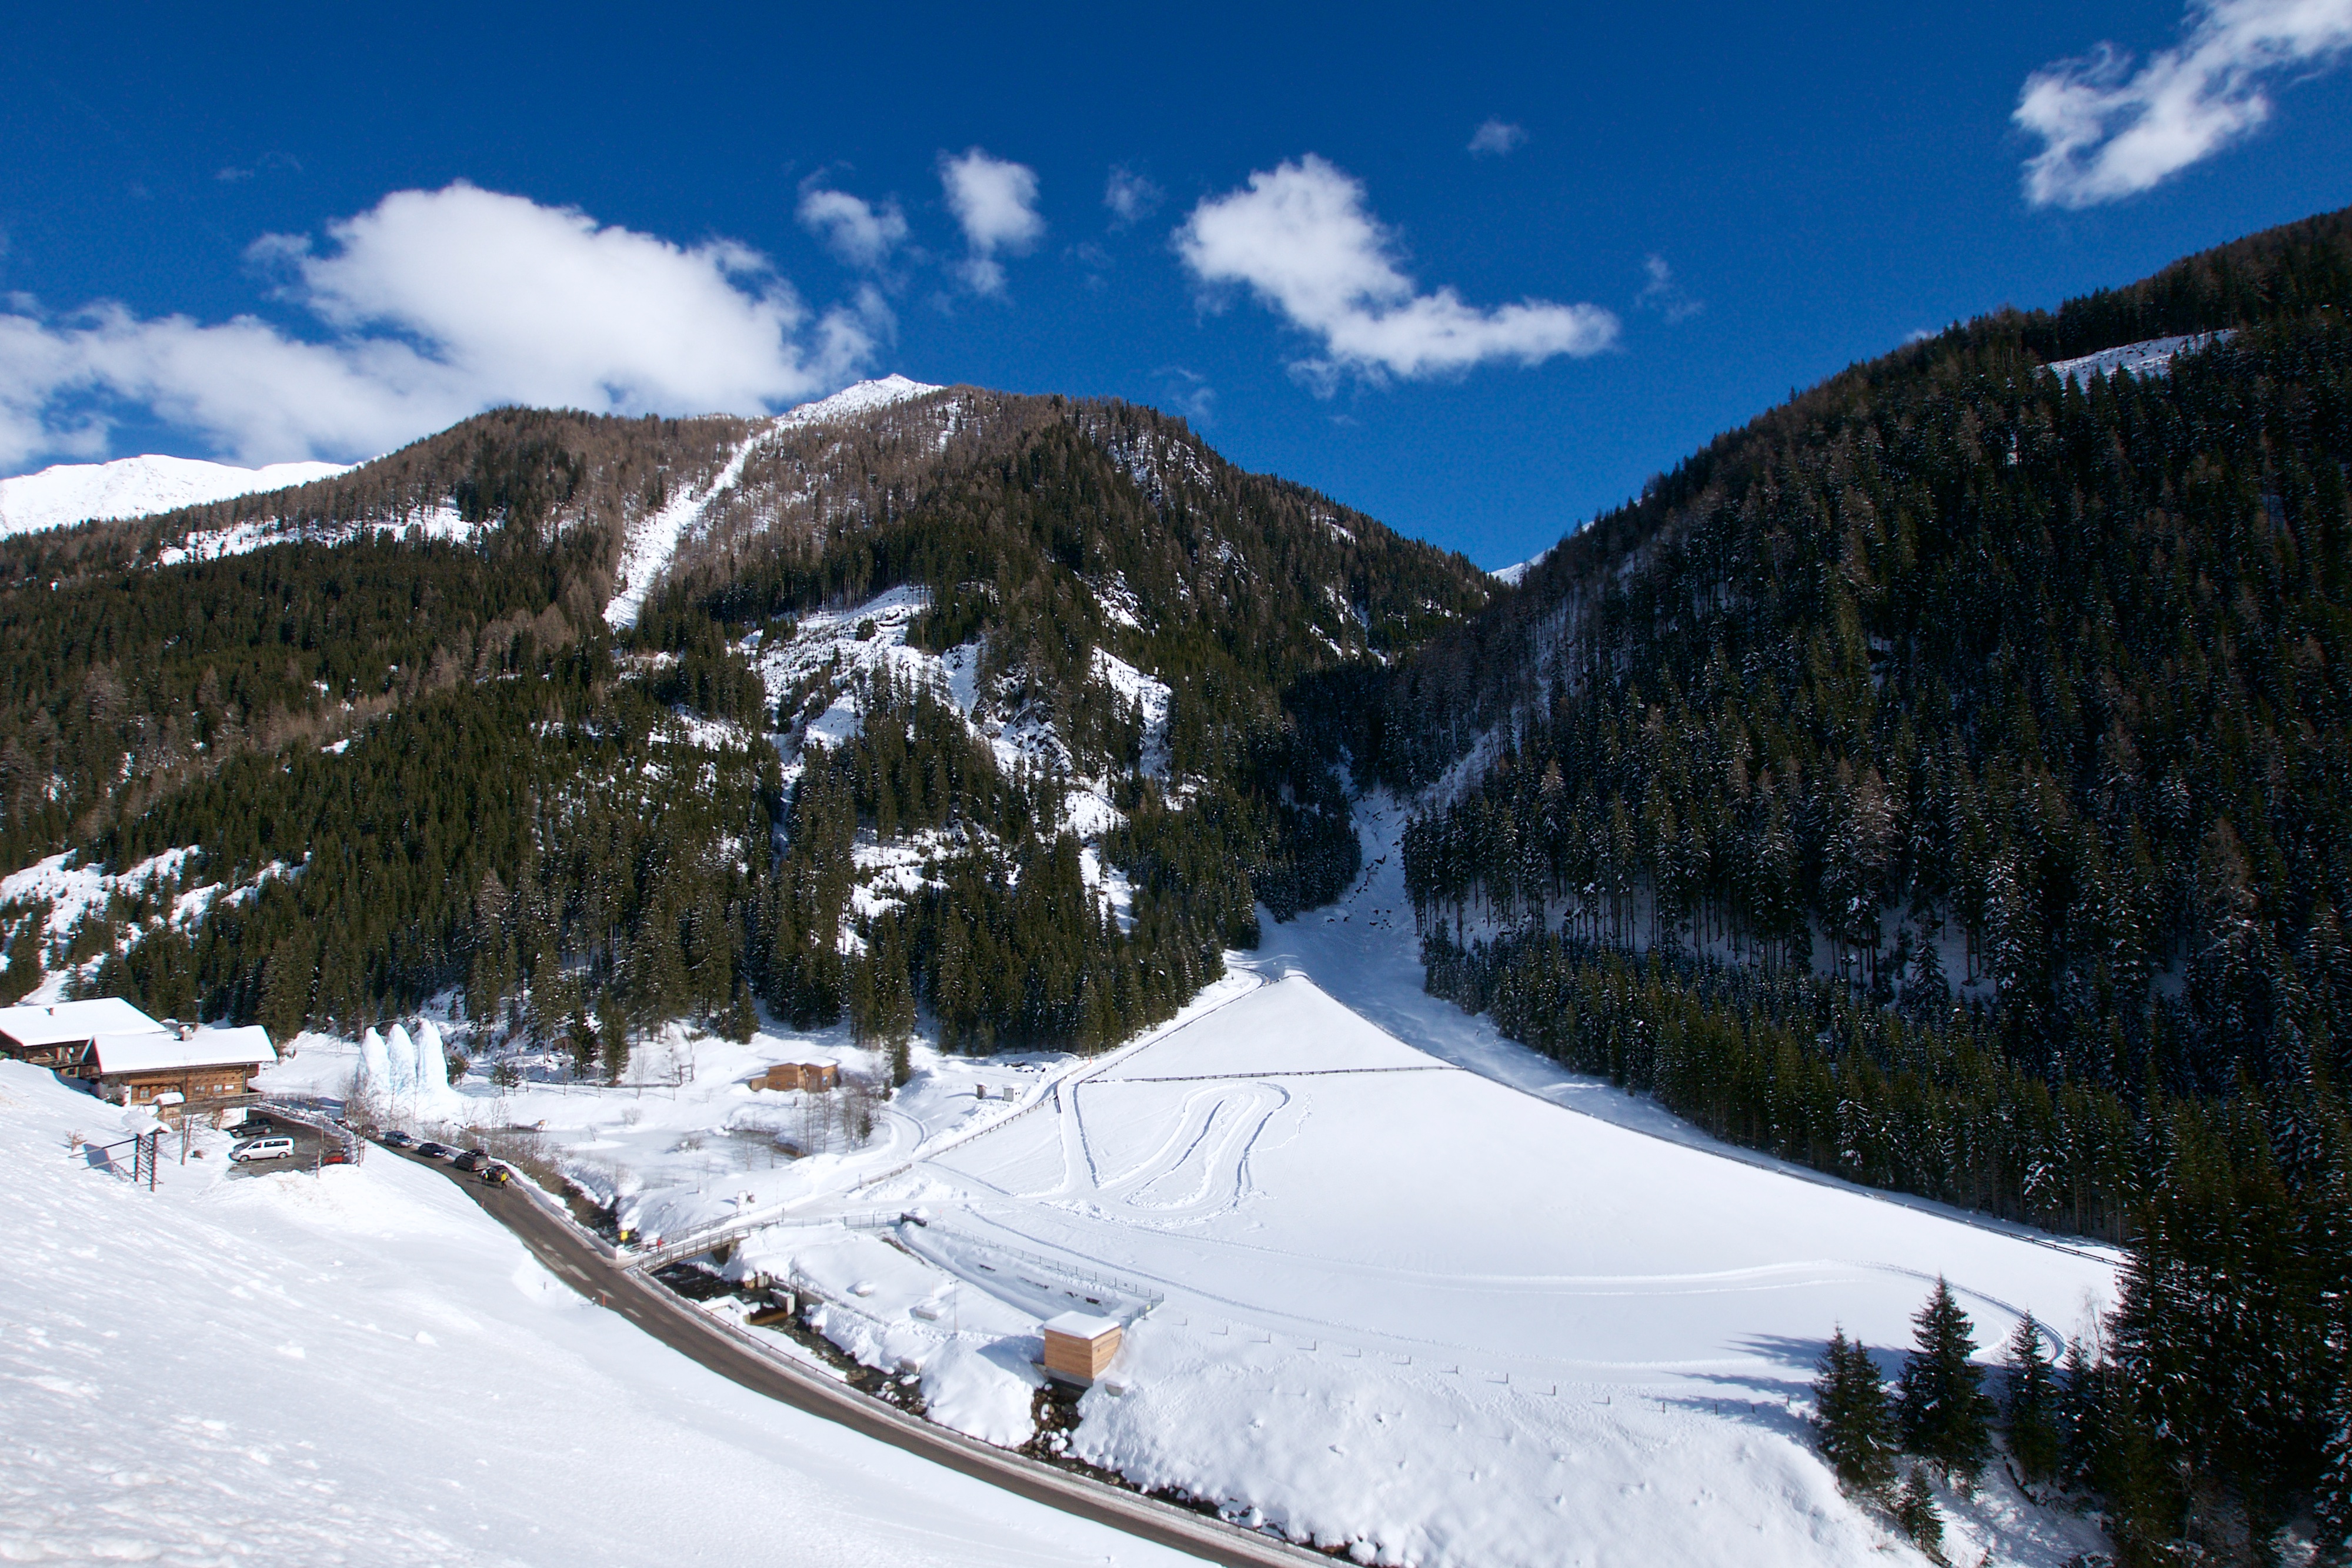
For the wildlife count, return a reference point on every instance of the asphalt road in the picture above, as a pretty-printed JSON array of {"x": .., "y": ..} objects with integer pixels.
[
  {"x": 680, "y": 1326},
  {"x": 309, "y": 1144}
]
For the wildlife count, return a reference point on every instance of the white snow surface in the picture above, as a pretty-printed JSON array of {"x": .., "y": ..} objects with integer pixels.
[
  {"x": 653, "y": 538},
  {"x": 1390, "y": 1283},
  {"x": 440, "y": 522},
  {"x": 1426, "y": 1298},
  {"x": 2153, "y": 357},
  {"x": 851, "y": 401},
  {"x": 360, "y": 1367},
  {"x": 1517, "y": 571},
  {"x": 69, "y": 493}
]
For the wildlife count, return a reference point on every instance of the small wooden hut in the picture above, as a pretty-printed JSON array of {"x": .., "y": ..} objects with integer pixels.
[
  {"x": 1079, "y": 1346},
  {"x": 799, "y": 1075}
]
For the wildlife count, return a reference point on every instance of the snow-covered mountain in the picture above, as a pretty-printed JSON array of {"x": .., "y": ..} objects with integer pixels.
[{"x": 69, "y": 493}]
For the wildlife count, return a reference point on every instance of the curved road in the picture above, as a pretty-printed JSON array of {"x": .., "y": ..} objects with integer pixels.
[{"x": 572, "y": 1258}]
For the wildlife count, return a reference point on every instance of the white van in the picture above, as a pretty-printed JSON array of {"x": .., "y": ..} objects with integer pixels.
[{"x": 265, "y": 1148}]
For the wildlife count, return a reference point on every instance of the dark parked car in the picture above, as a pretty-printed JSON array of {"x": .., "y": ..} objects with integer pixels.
[
  {"x": 253, "y": 1127},
  {"x": 396, "y": 1138},
  {"x": 433, "y": 1151},
  {"x": 472, "y": 1160}
]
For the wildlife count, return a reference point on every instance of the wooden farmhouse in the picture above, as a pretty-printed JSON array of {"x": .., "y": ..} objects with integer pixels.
[
  {"x": 61, "y": 1034},
  {"x": 799, "y": 1075},
  {"x": 1079, "y": 1346},
  {"x": 124, "y": 1056}
]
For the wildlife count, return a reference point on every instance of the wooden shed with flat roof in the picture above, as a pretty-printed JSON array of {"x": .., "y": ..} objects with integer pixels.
[
  {"x": 1079, "y": 1346},
  {"x": 799, "y": 1075}
]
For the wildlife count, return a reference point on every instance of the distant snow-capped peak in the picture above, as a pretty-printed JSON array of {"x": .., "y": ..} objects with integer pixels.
[
  {"x": 862, "y": 398},
  {"x": 137, "y": 487}
]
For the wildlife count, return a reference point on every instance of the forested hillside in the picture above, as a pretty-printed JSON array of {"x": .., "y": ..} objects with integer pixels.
[
  {"x": 327, "y": 753},
  {"x": 1943, "y": 781}
]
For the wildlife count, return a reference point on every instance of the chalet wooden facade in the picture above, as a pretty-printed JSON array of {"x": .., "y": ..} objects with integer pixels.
[{"x": 124, "y": 1056}]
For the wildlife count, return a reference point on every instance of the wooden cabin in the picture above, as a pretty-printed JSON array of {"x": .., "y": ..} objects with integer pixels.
[
  {"x": 208, "y": 1069},
  {"x": 127, "y": 1057},
  {"x": 799, "y": 1075},
  {"x": 60, "y": 1035},
  {"x": 1079, "y": 1346}
]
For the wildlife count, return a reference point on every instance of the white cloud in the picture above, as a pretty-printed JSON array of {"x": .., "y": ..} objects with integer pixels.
[
  {"x": 1497, "y": 137},
  {"x": 859, "y": 232},
  {"x": 2110, "y": 131},
  {"x": 1300, "y": 238},
  {"x": 1663, "y": 295},
  {"x": 1129, "y": 196},
  {"x": 995, "y": 200},
  {"x": 436, "y": 304},
  {"x": 1188, "y": 392}
]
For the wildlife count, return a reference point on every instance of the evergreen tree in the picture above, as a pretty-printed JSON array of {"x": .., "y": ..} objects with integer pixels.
[
  {"x": 1851, "y": 1418},
  {"x": 2332, "y": 1504},
  {"x": 613, "y": 1040},
  {"x": 2031, "y": 1420},
  {"x": 742, "y": 1020},
  {"x": 1915, "y": 1514},
  {"x": 1945, "y": 1414}
]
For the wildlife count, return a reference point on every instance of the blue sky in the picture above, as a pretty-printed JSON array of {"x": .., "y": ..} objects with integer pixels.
[{"x": 232, "y": 232}]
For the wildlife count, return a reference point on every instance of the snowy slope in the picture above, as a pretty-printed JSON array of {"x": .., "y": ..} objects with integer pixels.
[
  {"x": 2153, "y": 357},
  {"x": 362, "y": 1368},
  {"x": 137, "y": 487},
  {"x": 1393, "y": 1283},
  {"x": 1426, "y": 1298},
  {"x": 653, "y": 539},
  {"x": 851, "y": 401}
]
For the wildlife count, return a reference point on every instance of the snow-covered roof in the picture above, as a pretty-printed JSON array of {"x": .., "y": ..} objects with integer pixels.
[
  {"x": 1081, "y": 1325},
  {"x": 61, "y": 1022},
  {"x": 165, "y": 1052}
]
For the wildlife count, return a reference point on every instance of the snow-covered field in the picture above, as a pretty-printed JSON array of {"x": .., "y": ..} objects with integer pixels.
[
  {"x": 137, "y": 487},
  {"x": 362, "y": 1367},
  {"x": 1392, "y": 1282}
]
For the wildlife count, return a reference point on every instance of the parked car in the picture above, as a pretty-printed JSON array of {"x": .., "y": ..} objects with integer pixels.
[
  {"x": 253, "y": 1127},
  {"x": 335, "y": 1154},
  {"x": 433, "y": 1151},
  {"x": 396, "y": 1138},
  {"x": 264, "y": 1149},
  {"x": 472, "y": 1160}
]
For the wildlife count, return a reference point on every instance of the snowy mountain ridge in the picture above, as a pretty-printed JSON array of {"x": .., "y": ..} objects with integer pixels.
[{"x": 69, "y": 493}]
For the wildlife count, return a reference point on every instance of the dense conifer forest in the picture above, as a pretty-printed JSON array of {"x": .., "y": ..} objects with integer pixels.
[{"x": 1942, "y": 782}]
